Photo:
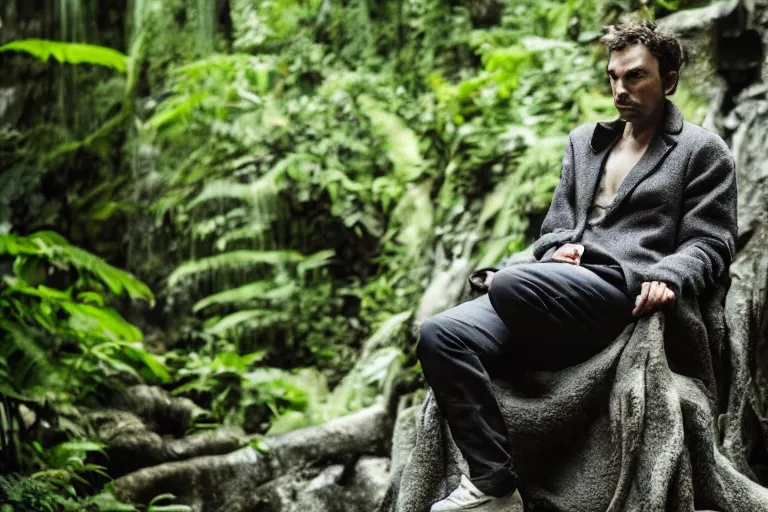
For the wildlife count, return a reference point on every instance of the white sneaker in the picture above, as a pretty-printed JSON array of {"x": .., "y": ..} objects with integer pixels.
[{"x": 465, "y": 497}]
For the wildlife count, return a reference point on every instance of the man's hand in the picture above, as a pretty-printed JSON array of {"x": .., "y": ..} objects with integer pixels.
[
  {"x": 569, "y": 253},
  {"x": 652, "y": 295},
  {"x": 488, "y": 278}
]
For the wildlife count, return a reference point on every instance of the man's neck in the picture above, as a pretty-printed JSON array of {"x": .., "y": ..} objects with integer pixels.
[{"x": 640, "y": 134}]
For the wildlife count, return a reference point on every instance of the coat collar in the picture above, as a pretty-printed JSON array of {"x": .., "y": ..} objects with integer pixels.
[
  {"x": 606, "y": 132},
  {"x": 604, "y": 136}
]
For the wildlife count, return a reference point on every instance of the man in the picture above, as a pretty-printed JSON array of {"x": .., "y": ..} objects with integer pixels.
[{"x": 645, "y": 211}]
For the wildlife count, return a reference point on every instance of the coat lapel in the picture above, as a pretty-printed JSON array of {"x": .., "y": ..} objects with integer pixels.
[
  {"x": 605, "y": 135},
  {"x": 659, "y": 147}
]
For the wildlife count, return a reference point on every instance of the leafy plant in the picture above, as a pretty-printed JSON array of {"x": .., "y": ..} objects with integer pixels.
[
  {"x": 62, "y": 341},
  {"x": 69, "y": 53}
]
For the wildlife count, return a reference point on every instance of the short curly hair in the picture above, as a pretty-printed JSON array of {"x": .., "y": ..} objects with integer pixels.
[{"x": 662, "y": 44}]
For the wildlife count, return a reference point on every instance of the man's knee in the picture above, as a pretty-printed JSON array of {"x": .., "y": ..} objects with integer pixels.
[
  {"x": 431, "y": 339},
  {"x": 508, "y": 285}
]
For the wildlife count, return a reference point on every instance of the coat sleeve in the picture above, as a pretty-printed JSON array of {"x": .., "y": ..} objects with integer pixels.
[
  {"x": 557, "y": 227},
  {"x": 559, "y": 224},
  {"x": 708, "y": 227}
]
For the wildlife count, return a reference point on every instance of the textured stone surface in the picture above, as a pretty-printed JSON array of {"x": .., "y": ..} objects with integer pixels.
[{"x": 623, "y": 431}]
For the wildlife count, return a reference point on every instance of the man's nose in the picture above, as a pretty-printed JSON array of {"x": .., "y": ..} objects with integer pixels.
[{"x": 619, "y": 87}]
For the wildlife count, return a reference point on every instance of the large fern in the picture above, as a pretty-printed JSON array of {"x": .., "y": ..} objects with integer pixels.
[
  {"x": 264, "y": 290},
  {"x": 37, "y": 319},
  {"x": 69, "y": 53},
  {"x": 230, "y": 261},
  {"x": 57, "y": 249},
  {"x": 30, "y": 367},
  {"x": 249, "y": 320},
  {"x": 257, "y": 192}
]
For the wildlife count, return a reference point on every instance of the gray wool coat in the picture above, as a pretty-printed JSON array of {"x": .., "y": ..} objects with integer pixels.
[{"x": 673, "y": 218}]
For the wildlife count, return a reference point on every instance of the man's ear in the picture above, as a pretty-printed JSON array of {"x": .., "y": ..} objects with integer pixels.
[{"x": 670, "y": 82}]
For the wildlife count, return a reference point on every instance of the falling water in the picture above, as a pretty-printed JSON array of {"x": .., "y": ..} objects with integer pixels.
[
  {"x": 71, "y": 21},
  {"x": 206, "y": 24},
  {"x": 72, "y": 29},
  {"x": 206, "y": 20}
]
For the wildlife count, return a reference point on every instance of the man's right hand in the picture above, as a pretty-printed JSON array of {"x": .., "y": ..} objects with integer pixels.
[{"x": 569, "y": 253}]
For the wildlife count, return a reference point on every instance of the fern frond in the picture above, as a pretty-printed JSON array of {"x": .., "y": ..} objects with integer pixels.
[
  {"x": 119, "y": 281},
  {"x": 30, "y": 369},
  {"x": 57, "y": 249},
  {"x": 220, "y": 190},
  {"x": 316, "y": 260},
  {"x": 259, "y": 290},
  {"x": 93, "y": 322},
  {"x": 413, "y": 218},
  {"x": 238, "y": 295},
  {"x": 387, "y": 333},
  {"x": 265, "y": 188},
  {"x": 69, "y": 53},
  {"x": 402, "y": 142},
  {"x": 527, "y": 189},
  {"x": 251, "y": 319},
  {"x": 253, "y": 231},
  {"x": 228, "y": 261},
  {"x": 222, "y": 221},
  {"x": 369, "y": 377},
  {"x": 176, "y": 110}
]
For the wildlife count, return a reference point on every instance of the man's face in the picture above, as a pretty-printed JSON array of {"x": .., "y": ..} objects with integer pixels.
[{"x": 637, "y": 86}]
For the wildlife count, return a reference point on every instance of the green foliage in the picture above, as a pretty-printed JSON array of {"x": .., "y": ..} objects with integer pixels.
[
  {"x": 42, "y": 187},
  {"x": 39, "y": 493},
  {"x": 63, "y": 343},
  {"x": 30, "y": 495},
  {"x": 284, "y": 187},
  {"x": 66, "y": 467},
  {"x": 237, "y": 391},
  {"x": 69, "y": 53},
  {"x": 232, "y": 260},
  {"x": 58, "y": 252},
  {"x": 263, "y": 24},
  {"x": 242, "y": 394}
]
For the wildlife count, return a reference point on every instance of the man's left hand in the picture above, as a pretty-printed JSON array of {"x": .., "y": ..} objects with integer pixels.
[{"x": 652, "y": 295}]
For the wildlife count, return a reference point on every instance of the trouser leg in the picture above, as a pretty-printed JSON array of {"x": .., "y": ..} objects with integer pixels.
[
  {"x": 530, "y": 311},
  {"x": 560, "y": 314},
  {"x": 457, "y": 348}
]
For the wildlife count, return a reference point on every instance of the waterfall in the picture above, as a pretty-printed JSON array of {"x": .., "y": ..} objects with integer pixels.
[
  {"x": 72, "y": 21},
  {"x": 72, "y": 28},
  {"x": 206, "y": 15},
  {"x": 206, "y": 24}
]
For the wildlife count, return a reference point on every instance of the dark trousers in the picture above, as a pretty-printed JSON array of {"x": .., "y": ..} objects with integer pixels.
[{"x": 536, "y": 316}]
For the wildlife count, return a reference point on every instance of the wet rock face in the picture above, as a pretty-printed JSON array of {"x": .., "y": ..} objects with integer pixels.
[
  {"x": 725, "y": 45},
  {"x": 748, "y": 125},
  {"x": 10, "y": 106},
  {"x": 334, "y": 491},
  {"x": 359, "y": 486}
]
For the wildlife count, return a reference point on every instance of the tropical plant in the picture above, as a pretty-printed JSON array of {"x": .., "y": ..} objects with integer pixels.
[
  {"x": 69, "y": 53},
  {"x": 62, "y": 341},
  {"x": 286, "y": 175}
]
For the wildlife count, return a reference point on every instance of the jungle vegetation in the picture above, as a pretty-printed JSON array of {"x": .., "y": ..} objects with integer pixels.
[{"x": 226, "y": 197}]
